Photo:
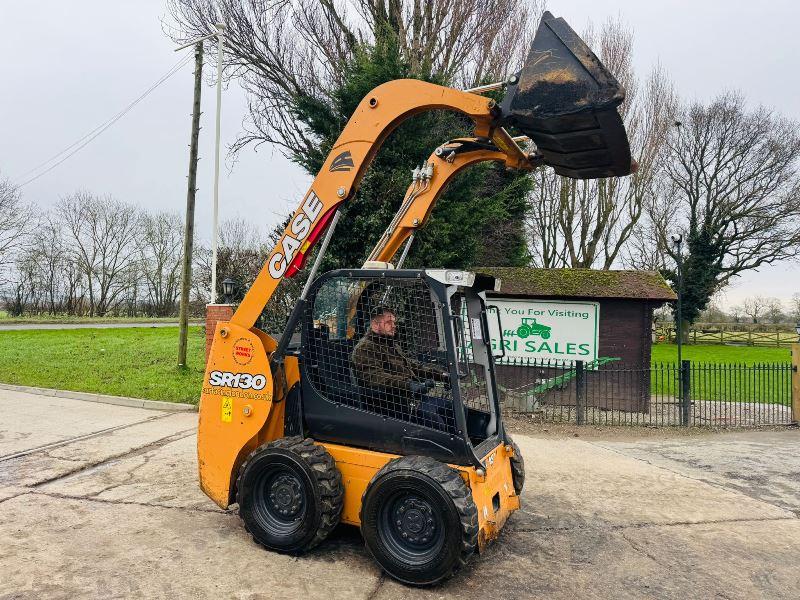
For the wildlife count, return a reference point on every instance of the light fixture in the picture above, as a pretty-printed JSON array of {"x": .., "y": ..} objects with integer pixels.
[{"x": 228, "y": 286}]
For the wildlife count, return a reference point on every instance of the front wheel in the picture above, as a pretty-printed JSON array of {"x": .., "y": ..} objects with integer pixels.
[
  {"x": 517, "y": 468},
  {"x": 419, "y": 520},
  {"x": 290, "y": 494},
  {"x": 545, "y": 335}
]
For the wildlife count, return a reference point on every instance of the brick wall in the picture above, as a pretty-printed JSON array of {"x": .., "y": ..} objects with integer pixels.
[{"x": 215, "y": 313}]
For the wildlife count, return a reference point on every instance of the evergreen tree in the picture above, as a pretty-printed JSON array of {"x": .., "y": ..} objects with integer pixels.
[{"x": 478, "y": 220}]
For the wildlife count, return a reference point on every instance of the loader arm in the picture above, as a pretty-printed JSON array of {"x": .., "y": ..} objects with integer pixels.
[
  {"x": 378, "y": 114},
  {"x": 447, "y": 161}
]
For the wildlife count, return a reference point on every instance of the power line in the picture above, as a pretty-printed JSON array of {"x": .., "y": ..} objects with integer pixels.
[{"x": 79, "y": 144}]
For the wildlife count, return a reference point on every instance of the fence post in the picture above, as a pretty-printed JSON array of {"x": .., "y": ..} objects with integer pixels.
[
  {"x": 686, "y": 392},
  {"x": 796, "y": 382},
  {"x": 580, "y": 393}
]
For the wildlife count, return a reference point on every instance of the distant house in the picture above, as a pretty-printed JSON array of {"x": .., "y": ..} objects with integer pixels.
[{"x": 627, "y": 300}]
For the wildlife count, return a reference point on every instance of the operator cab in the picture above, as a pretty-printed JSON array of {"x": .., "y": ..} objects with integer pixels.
[{"x": 366, "y": 398}]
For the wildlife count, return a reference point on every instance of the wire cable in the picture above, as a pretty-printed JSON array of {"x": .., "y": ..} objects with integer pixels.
[{"x": 94, "y": 133}]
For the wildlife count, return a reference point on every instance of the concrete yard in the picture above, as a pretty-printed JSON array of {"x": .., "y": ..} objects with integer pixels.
[{"x": 101, "y": 501}]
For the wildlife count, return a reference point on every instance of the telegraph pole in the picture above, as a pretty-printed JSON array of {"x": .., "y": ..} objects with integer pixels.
[{"x": 188, "y": 238}]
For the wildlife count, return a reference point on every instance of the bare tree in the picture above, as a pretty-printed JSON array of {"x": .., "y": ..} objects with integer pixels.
[
  {"x": 280, "y": 50},
  {"x": 794, "y": 307},
  {"x": 583, "y": 224},
  {"x": 101, "y": 232},
  {"x": 755, "y": 306},
  {"x": 733, "y": 192},
  {"x": 737, "y": 311},
  {"x": 160, "y": 247},
  {"x": 14, "y": 221},
  {"x": 774, "y": 311}
]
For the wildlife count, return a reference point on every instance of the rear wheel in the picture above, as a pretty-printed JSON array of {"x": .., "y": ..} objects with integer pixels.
[
  {"x": 517, "y": 468},
  {"x": 523, "y": 331},
  {"x": 418, "y": 520},
  {"x": 290, "y": 494}
]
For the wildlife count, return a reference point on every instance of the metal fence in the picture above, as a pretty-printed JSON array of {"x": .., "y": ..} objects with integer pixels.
[{"x": 601, "y": 392}]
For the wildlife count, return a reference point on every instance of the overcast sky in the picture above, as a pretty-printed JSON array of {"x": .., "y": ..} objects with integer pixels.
[{"x": 69, "y": 66}]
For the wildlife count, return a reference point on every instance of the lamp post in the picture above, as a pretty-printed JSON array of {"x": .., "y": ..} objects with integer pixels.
[
  {"x": 796, "y": 377},
  {"x": 677, "y": 241}
]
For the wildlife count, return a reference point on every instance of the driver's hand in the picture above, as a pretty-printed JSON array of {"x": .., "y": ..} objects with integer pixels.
[{"x": 417, "y": 387}]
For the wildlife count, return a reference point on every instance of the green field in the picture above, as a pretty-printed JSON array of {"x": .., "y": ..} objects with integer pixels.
[
  {"x": 721, "y": 354},
  {"x": 136, "y": 362},
  {"x": 140, "y": 362},
  {"x": 725, "y": 373},
  {"x": 6, "y": 319}
]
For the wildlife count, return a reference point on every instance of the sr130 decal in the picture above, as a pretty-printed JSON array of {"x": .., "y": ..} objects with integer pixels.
[{"x": 243, "y": 381}]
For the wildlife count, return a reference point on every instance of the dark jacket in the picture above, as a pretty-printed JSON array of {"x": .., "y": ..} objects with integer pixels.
[{"x": 379, "y": 363}]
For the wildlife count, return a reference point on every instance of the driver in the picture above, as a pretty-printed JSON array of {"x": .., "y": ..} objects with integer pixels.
[{"x": 380, "y": 364}]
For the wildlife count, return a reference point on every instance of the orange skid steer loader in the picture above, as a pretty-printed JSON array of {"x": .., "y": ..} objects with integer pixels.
[{"x": 385, "y": 414}]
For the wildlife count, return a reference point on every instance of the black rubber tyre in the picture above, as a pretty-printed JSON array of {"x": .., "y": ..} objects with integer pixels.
[
  {"x": 418, "y": 520},
  {"x": 290, "y": 494},
  {"x": 517, "y": 468}
]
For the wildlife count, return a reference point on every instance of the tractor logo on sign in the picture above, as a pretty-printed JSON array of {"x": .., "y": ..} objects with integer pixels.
[
  {"x": 529, "y": 327},
  {"x": 343, "y": 162}
]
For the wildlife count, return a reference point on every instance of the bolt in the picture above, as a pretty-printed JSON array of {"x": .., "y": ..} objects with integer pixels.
[
  {"x": 416, "y": 221},
  {"x": 340, "y": 192},
  {"x": 491, "y": 104},
  {"x": 399, "y": 523},
  {"x": 513, "y": 79},
  {"x": 509, "y": 448},
  {"x": 223, "y": 332},
  {"x": 405, "y": 535},
  {"x": 439, "y": 151},
  {"x": 480, "y": 472}
]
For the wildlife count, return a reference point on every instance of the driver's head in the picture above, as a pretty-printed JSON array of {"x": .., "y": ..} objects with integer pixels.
[{"x": 383, "y": 321}]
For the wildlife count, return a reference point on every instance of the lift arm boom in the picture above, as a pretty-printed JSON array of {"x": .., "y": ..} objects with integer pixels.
[
  {"x": 447, "y": 161},
  {"x": 378, "y": 114}
]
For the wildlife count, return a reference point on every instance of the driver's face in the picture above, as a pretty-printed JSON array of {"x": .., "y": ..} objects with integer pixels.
[{"x": 387, "y": 324}]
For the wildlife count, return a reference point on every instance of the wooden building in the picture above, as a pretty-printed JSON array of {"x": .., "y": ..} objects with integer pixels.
[{"x": 627, "y": 300}]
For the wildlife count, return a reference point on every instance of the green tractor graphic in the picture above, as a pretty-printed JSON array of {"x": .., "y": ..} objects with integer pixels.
[{"x": 531, "y": 327}]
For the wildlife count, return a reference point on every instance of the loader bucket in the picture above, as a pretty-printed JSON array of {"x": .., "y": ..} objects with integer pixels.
[{"x": 566, "y": 101}]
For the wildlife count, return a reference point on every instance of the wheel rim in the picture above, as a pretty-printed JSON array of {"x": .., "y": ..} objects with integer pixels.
[
  {"x": 279, "y": 500},
  {"x": 412, "y": 529}
]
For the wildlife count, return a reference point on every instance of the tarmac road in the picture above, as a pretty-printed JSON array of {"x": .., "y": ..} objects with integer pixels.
[{"x": 101, "y": 501}]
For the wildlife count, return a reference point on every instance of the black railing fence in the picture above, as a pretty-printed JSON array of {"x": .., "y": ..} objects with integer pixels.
[{"x": 608, "y": 392}]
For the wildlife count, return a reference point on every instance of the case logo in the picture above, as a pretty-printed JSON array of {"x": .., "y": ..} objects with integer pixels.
[
  {"x": 295, "y": 235},
  {"x": 343, "y": 162}
]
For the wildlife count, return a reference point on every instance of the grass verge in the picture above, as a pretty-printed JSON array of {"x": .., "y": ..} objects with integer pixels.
[
  {"x": 721, "y": 354},
  {"x": 135, "y": 362}
]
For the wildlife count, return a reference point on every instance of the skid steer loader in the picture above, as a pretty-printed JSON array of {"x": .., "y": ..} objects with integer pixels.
[{"x": 383, "y": 413}]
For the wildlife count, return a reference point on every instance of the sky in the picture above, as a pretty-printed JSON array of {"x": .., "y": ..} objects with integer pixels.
[{"x": 69, "y": 66}]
